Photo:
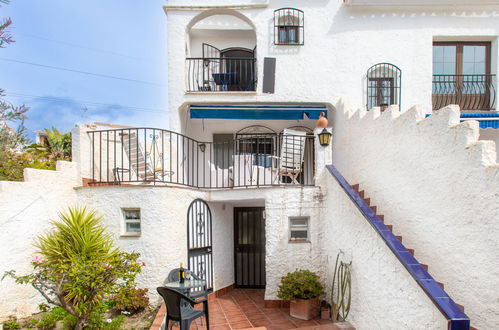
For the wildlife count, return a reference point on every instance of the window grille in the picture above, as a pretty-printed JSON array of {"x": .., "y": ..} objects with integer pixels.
[
  {"x": 289, "y": 26},
  {"x": 383, "y": 85}
]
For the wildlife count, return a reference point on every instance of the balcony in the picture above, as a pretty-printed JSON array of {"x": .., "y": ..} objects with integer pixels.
[
  {"x": 221, "y": 74},
  {"x": 471, "y": 92},
  {"x": 158, "y": 157}
]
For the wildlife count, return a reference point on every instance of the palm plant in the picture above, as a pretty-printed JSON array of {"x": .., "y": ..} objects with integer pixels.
[
  {"x": 79, "y": 265},
  {"x": 78, "y": 233},
  {"x": 58, "y": 147}
]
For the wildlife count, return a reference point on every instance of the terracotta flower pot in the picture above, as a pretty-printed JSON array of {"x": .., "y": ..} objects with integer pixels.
[
  {"x": 305, "y": 309},
  {"x": 322, "y": 121}
]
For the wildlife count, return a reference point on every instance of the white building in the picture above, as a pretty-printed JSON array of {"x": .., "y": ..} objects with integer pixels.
[{"x": 240, "y": 189}]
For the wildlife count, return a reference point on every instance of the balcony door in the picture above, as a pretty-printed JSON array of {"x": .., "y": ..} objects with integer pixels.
[
  {"x": 240, "y": 62},
  {"x": 461, "y": 75}
]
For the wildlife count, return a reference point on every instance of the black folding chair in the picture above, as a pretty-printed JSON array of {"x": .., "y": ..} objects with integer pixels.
[{"x": 180, "y": 308}]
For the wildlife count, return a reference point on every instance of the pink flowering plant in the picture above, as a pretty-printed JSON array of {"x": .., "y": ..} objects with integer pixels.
[{"x": 77, "y": 266}]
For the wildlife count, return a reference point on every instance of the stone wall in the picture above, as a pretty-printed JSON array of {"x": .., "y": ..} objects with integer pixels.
[{"x": 438, "y": 184}]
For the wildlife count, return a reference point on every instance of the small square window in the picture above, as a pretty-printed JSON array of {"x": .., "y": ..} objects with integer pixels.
[
  {"x": 298, "y": 229},
  {"x": 131, "y": 222}
]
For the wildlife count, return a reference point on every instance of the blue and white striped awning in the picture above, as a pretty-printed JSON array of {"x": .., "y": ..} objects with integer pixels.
[
  {"x": 257, "y": 112},
  {"x": 486, "y": 120}
]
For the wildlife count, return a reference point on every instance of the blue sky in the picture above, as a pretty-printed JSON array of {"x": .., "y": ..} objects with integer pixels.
[{"x": 118, "y": 38}]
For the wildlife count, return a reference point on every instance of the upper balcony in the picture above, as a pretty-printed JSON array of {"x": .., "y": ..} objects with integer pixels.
[
  {"x": 462, "y": 75},
  {"x": 221, "y": 55}
]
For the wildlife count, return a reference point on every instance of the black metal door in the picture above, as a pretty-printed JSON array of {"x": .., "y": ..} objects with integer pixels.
[
  {"x": 199, "y": 238},
  {"x": 249, "y": 247}
]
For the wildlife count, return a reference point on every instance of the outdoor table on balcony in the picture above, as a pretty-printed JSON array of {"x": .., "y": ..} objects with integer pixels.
[{"x": 225, "y": 79}]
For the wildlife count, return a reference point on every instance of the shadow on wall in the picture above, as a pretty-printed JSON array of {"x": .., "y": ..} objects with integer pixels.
[{"x": 406, "y": 18}]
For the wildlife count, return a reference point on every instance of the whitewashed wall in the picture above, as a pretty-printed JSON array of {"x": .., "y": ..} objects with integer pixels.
[
  {"x": 341, "y": 43},
  {"x": 384, "y": 294},
  {"x": 220, "y": 39},
  {"x": 163, "y": 241},
  {"x": 439, "y": 186},
  {"x": 280, "y": 204},
  {"x": 223, "y": 244},
  {"x": 491, "y": 134},
  {"x": 26, "y": 209}
]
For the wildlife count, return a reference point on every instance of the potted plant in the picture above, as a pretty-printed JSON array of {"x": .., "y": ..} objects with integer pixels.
[{"x": 303, "y": 289}]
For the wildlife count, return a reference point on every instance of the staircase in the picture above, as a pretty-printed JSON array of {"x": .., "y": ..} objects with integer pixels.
[
  {"x": 362, "y": 194},
  {"x": 456, "y": 318}
]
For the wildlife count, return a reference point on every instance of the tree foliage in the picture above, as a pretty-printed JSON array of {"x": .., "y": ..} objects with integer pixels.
[
  {"x": 58, "y": 146},
  {"x": 78, "y": 265},
  {"x": 5, "y": 37}
]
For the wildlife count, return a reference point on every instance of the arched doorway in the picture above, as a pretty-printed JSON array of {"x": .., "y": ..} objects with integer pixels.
[{"x": 199, "y": 241}]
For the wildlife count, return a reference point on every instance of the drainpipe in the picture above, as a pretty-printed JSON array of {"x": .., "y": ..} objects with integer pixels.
[{"x": 264, "y": 4}]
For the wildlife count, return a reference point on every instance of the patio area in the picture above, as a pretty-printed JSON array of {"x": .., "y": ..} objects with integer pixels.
[{"x": 243, "y": 309}]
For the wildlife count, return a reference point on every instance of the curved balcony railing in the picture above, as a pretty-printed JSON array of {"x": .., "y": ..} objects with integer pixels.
[
  {"x": 471, "y": 92},
  {"x": 157, "y": 156},
  {"x": 221, "y": 74}
]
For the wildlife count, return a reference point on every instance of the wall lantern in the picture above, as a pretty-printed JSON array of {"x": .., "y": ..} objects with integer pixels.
[
  {"x": 324, "y": 137},
  {"x": 202, "y": 147}
]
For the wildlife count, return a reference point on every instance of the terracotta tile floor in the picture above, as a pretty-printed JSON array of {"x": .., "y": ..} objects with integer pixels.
[{"x": 242, "y": 309}]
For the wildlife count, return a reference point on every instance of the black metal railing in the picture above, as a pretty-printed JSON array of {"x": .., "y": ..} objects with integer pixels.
[
  {"x": 221, "y": 74},
  {"x": 157, "y": 156},
  {"x": 471, "y": 92}
]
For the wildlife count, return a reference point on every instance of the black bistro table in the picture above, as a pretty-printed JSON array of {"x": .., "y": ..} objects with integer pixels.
[{"x": 225, "y": 79}]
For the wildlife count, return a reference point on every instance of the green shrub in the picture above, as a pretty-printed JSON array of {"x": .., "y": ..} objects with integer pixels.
[
  {"x": 49, "y": 319},
  {"x": 97, "y": 322},
  {"x": 11, "y": 323},
  {"x": 79, "y": 265},
  {"x": 132, "y": 300},
  {"x": 301, "y": 284}
]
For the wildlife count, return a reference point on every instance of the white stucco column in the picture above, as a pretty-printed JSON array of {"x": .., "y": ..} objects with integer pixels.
[
  {"x": 81, "y": 149},
  {"x": 323, "y": 154}
]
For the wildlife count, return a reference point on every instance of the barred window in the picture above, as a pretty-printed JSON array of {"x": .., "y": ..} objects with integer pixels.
[{"x": 288, "y": 26}]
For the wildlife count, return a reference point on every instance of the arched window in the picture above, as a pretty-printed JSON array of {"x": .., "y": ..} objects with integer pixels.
[
  {"x": 383, "y": 85},
  {"x": 288, "y": 26}
]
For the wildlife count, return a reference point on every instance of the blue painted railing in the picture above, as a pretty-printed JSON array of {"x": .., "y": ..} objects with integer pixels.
[{"x": 458, "y": 320}]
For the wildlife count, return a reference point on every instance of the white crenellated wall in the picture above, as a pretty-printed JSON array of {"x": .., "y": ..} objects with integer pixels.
[
  {"x": 26, "y": 209},
  {"x": 384, "y": 294},
  {"x": 491, "y": 134},
  {"x": 438, "y": 184}
]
